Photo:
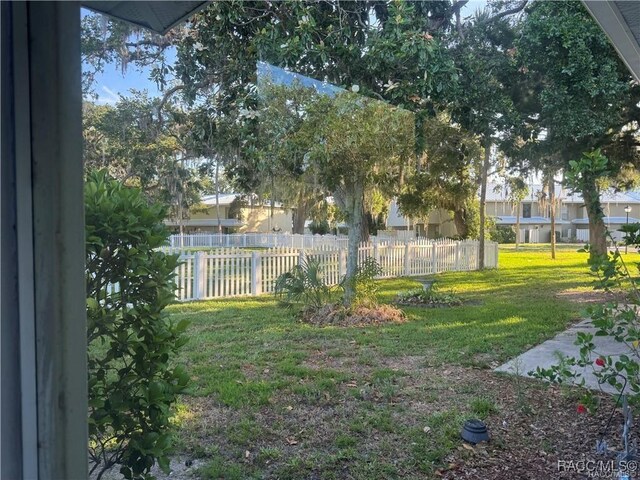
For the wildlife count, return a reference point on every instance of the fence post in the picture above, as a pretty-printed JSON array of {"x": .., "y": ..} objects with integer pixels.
[
  {"x": 342, "y": 264},
  {"x": 256, "y": 273},
  {"x": 376, "y": 252},
  {"x": 300, "y": 257},
  {"x": 199, "y": 275},
  {"x": 434, "y": 257},
  {"x": 457, "y": 266},
  {"x": 407, "y": 270}
]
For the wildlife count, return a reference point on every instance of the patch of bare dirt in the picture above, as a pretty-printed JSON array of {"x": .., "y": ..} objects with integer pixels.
[
  {"x": 587, "y": 297},
  {"x": 533, "y": 428},
  {"x": 534, "y": 433},
  {"x": 533, "y": 425},
  {"x": 338, "y": 315}
]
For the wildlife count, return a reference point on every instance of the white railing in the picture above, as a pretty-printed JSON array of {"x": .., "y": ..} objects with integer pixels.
[
  {"x": 229, "y": 272},
  {"x": 582, "y": 235},
  {"x": 256, "y": 240}
]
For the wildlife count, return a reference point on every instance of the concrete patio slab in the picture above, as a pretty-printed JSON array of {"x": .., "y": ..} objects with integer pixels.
[{"x": 546, "y": 354}]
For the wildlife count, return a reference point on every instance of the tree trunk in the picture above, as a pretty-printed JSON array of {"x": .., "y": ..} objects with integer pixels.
[
  {"x": 552, "y": 200},
  {"x": 518, "y": 208},
  {"x": 483, "y": 201},
  {"x": 272, "y": 206},
  {"x": 300, "y": 215},
  {"x": 354, "y": 201},
  {"x": 218, "y": 196},
  {"x": 597, "y": 228},
  {"x": 460, "y": 221},
  {"x": 365, "y": 229}
]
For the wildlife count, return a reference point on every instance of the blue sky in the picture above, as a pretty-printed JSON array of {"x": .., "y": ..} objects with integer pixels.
[{"x": 112, "y": 82}]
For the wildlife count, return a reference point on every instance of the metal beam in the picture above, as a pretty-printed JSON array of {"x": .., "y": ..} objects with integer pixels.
[
  {"x": 157, "y": 16},
  {"x": 608, "y": 16}
]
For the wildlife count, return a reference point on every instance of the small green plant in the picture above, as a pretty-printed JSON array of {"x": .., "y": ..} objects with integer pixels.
[
  {"x": 503, "y": 234},
  {"x": 522, "y": 399},
  {"x": 482, "y": 407},
  {"x": 431, "y": 297},
  {"x": 304, "y": 284},
  {"x": 365, "y": 286}
]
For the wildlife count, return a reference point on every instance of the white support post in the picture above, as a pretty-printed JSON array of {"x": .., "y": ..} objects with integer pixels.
[
  {"x": 407, "y": 266},
  {"x": 434, "y": 258},
  {"x": 199, "y": 275},
  {"x": 256, "y": 273},
  {"x": 376, "y": 251},
  {"x": 457, "y": 266},
  {"x": 342, "y": 264}
]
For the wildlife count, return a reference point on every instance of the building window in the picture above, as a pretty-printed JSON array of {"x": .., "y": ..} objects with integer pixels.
[
  {"x": 526, "y": 210},
  {"x": 565, "y": 212}
]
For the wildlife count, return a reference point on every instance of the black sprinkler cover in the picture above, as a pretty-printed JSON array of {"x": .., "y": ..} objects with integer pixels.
[{"x": 475, "y": 431}]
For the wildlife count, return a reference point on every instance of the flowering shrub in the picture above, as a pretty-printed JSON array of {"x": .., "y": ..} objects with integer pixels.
[{"x": 619, "y": 321}]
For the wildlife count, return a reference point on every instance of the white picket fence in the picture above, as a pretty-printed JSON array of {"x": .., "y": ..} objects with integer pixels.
[
  {"x": 256, "y": 240},
  {"x": 231, "y": 272},
  {"x": 582, "y": 235}
]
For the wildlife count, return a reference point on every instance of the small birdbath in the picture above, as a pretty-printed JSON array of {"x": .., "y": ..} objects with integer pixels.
[{"x": 427, "y": 283}]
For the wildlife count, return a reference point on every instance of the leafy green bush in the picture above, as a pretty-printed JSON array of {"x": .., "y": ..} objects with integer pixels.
[
  {"x": 319, "y": 227},
  {"x": 304, "y": 284},
  {"x": 131, "y": 341},
  {"x": 503, "y": 234},
  {"x": 432, "y": 297}
]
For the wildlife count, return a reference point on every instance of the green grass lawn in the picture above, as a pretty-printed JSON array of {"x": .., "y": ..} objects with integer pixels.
[{"x": 274, "y": 398}]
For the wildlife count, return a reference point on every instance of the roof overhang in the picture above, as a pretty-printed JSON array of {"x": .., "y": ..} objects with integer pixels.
[
  {"x": 607, "y": 221},
  {"x": 524, "y": 221},
  {"x": 159, "y": 17},
  {"x": 620, "y": 20}
]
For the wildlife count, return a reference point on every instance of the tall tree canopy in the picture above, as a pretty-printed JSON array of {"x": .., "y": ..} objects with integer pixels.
[
  {"x": 346, "y": 145},
  {"x": 448, "y": 178},
  {"x": 141, "y": 149},
  {"x": 392, "y": 50},
  {"x": 573, "y": 95},
  {"x": 482, "y": 103}
]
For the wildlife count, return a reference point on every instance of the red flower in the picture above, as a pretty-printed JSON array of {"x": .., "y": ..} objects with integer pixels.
[
  {"x": 582, "y": 409},
  {"x": 599, "y": 361}
]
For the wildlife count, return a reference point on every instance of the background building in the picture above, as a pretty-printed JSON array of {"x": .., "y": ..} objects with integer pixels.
[
  {"x": 237, "y": 215},
  {"x": 572, "y": 223}
]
